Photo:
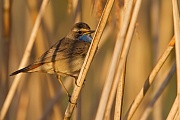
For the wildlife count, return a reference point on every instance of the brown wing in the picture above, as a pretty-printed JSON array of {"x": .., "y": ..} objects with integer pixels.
[{"x": 64, "y": 49}]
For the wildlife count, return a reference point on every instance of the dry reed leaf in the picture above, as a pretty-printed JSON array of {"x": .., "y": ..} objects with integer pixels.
[
  {"x": 165, "y": 78},
  {"x": 149, "y": 81},
  {"x": 23, "y": 61}
]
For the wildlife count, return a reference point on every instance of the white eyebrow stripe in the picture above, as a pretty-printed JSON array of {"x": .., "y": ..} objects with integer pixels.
[{"x": 82, "y": 29}]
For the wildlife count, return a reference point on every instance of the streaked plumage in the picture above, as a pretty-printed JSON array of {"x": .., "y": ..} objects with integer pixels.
[{"x": 66, "y": 56}]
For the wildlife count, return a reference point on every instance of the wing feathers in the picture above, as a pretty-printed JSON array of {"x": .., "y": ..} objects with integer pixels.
[
  {"x": 63, "y": 49},
  {"x": 26, "y": 69}
]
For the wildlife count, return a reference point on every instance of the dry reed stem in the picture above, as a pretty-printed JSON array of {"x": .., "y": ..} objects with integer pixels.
[
  {"x": 129, "y": 36},
  {"x": 166, "y": 78},
  {"x": 107, "y": 32},
  {"x": 149, "y": 81},
  {"x": 120, "y": 13},
  {"x": 23, "y": 61},
  {"x": 116, "y": 55},
  {"x": 120, "y": 93},
  {"x": 174, "y": 110},
  {"x": 128, "y": 40},
  {"x": 88, "y": 59},
  {"x": 177, "y": 46}
]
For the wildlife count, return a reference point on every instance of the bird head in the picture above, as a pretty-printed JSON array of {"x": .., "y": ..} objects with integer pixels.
[{"x": 81, "y": 31}]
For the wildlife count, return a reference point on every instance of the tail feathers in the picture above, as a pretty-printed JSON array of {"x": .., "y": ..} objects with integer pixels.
[
  {"x": 17, "y": 72},
  {"x": 26, "y": 69}
]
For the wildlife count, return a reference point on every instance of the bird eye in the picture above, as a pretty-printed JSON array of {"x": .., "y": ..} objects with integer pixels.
[{"x": 79, "y": 32}]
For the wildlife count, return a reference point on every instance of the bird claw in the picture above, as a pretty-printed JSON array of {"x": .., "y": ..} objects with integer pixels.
[
  {"x": 69, "y": 96},
  {"x": 84, "y": 82},
  {"x": 76, "y": 83},
  {"x": 70, "y": 100}
]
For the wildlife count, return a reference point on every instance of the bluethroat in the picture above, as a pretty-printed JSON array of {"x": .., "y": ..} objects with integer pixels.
[{"x": 65, "y": 58}]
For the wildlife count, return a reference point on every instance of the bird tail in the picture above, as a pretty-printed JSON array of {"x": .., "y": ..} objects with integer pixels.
[{"x": 26, "y": 69}]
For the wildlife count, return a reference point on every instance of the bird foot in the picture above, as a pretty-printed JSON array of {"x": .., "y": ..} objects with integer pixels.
[
  {"x": 76, "y": 83},
  {"x": 70, "y": 100}
]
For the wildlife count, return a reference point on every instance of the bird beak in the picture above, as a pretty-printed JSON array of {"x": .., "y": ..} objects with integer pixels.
[
  {"x": 91, "y": 31},
  {"x": 87, "y": 31}
]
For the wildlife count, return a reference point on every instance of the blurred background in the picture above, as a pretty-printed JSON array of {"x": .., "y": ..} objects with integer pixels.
[{"x": 40, "y": 96}]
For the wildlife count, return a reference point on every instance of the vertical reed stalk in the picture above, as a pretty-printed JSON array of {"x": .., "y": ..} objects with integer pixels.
[
  {"x": 23, "y": 61},
  {"x": 149, "y": 81},
  {"x": 177, "y": 46},
  {"x": 88, "y": 59}
]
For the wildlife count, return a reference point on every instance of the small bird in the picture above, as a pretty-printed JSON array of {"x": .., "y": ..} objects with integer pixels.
[{"x": 64, "y": 58}]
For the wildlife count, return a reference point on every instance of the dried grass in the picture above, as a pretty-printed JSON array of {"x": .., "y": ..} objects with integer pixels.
[{"x": 127, "y": 42}]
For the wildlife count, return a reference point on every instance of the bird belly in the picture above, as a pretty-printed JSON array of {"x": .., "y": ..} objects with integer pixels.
[
  {"x": 63, "y": 67},
  {"x": 69, "y": 66}
]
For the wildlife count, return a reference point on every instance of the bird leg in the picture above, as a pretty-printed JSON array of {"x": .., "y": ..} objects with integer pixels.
[
  {"x": 76, "y": 81},
  {"x": 69, "y": 95},
  {"x": 59, "y": 79},
  {"x": 77, "y": 84}
]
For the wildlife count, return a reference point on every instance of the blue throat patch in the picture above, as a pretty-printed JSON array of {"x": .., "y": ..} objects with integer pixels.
[{"x": 86, "y": 38}]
